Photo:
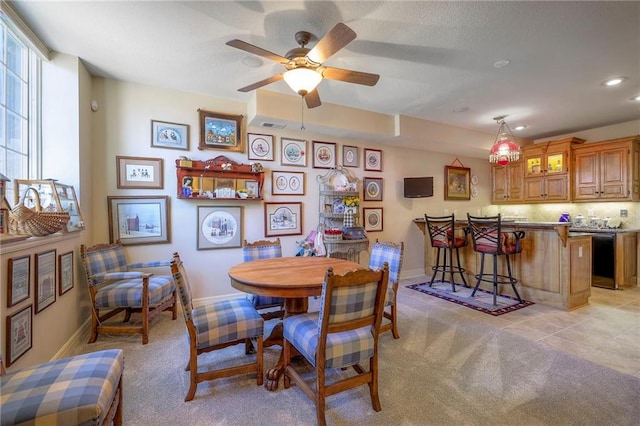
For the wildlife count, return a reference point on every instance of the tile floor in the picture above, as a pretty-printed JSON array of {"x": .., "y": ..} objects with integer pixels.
[{"x": 607, "y": 331}]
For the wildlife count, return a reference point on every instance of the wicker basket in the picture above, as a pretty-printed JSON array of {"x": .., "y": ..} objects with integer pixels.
[{"x": 26, "y": 221}]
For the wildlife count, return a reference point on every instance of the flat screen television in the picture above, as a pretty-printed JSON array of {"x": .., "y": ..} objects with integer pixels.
[{"x": 418, "y": 187}]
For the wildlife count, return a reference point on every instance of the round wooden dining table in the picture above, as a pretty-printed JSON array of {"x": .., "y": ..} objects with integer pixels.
[{"x": 293, "y": 278}]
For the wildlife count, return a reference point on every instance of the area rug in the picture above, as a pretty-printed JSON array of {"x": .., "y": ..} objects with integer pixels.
[{"x": 482, "y": 301}]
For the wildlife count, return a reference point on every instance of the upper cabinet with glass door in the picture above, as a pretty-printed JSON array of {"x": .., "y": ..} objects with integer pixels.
[
  {"x": 53, "y": 196},
  {"x": 547, "y": 167}
]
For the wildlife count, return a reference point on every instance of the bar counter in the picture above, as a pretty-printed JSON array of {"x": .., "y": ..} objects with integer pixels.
[{"x": 554, "y": 267}]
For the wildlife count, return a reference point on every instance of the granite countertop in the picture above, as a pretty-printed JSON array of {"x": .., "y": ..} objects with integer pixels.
[{"x": 529, "y": 224}]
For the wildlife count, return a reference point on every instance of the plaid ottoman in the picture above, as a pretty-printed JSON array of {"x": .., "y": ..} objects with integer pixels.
[{"x": 79, "y": 390}]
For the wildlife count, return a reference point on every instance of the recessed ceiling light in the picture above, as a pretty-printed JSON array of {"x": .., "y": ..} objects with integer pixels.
[
  {"x": 614, "y": 81},
  {"x": 252, "y": 61},
  {"x": 636, "y": 98},
  {"x": 521, "y": 127},
  {"x": 502, "y": 63}
]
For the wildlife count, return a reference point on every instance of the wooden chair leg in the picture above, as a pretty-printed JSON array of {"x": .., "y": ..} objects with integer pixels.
[
  {"x": 373, "y": 385},
  {"x": 193, "y": 376},
  {"x": 394, "y": 321},
  {"x": 320, "y": 398},
  {"x": 286, "y": 355},
  {"x": 260, "y": 366}
]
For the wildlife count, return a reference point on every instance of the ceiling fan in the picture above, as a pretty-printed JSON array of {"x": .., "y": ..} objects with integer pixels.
[{"x": 304, "y": 66}]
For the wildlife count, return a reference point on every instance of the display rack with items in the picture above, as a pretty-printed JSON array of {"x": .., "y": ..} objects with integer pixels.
[
  {"x": 339, "y": 215},
  {"x": 219, "y": 178},
  {"x": 54, "y": 197}
]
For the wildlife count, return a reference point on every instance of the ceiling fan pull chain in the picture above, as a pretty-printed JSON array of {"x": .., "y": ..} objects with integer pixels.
[{"x": 302, "y": 112}]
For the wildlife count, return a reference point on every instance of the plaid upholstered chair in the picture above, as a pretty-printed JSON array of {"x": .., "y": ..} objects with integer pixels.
[
  {"x": 343, "y": 333},
  {"x": 216, "y": 326},
  {"x": 391, "y": 253},
  {"x": 264, "y": 249},
  {"x": 116, "y": 286}
]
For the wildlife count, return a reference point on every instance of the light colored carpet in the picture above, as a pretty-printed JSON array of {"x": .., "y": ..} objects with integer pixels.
[{"x": 445, "y": 370}]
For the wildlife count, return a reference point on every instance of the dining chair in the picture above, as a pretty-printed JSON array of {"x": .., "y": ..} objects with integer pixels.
[
  {"x": 264, "y": 249},
  {"x": 488, "y": 238},
  {"x": 116, "y": 286},
  {"x": 343, "y": 333},
  {"x": 215, "y": 326},
  {"x": 443, "y": 236},
  {"x": 391, "y": 253}
]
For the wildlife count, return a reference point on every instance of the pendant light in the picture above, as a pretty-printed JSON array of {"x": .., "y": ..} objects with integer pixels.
[{"x": 505, "y": 149}]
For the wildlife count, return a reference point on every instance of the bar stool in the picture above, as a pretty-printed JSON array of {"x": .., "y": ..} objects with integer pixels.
[
  {"x": 442, "y": 235},
  {"x": 488, "y": 238}
]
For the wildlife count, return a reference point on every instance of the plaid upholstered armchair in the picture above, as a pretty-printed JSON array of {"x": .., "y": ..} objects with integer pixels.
[
  {"x": 116, "y": 286},
  {"x": 343, "y": 334}
]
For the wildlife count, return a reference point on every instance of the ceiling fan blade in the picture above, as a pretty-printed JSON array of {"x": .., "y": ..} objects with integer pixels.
[
  {"x": 261, "y": 83},
  {"x": 350, "y": 76},
  {"x": 312, "y": 99},
  {"x": 337, "y": 38},
  {"x": 247, "y": 47}
]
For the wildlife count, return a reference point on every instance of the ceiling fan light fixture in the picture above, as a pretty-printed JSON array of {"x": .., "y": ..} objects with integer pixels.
[
  {"x": 505, "y": 149},
  {"x": 302, "y": 80}
]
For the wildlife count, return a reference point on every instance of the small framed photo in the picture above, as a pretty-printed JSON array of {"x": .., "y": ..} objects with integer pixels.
[
  {"x": 219, "y": 227},
  {"x": 169, "y": 135},
  {"x": 287, "y": 183},
  {"x": 282, "y": 219},
  {"x": 45, "y": 267},
  {"x": 373, "y": 160},
  {"x": 139, "y": 220},
  {"x": 457, "y": 183},
  {"x": 139, "y": 173},
  {"x": 294, "y": 152},
  {"x": 350, "y": 156},
  {"x": 220, "y": 131},
  {"x": 260, "y": 147},
  {"x": 253, "y": 188},
  {"x": 324, "y": 155},
  {"x": 372, "y": 188},
  {"x": 19, "y": 334},
  {"x": 65, "y": 272},
  {"x": 18, "y": 280},
  {"x": 372, "y": 219}
]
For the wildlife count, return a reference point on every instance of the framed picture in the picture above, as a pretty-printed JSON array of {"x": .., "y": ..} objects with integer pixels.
[
  {"x": 287, "y": 183},
  {"x": 220, "y": 131},
  {"x": 350, "y": 156},
  {"x": 139, "y": 220},
  {"x": 169, "y": 135},
  {"x": 373, "y": 160},
  {"x": 282, "y": 219},
  {"x": 294, "y": 152},
  {"x": 45, "y": 267},
  {"x": 372, "y": 189},
  {"x": 372, "y": 219},
  {"x": 260, "y": 147},
  {"x": 324, "y": 155},
  {"x": 19, "y": 334},
  {"x": 457, "y": 183},
  {"x": 253, "y": 188},
  {"x": 18, "y": 279},
  {"x": 139, "y": 173},
  {"x": 65, "y": 272},
  {"x": 219, "y": 227}
]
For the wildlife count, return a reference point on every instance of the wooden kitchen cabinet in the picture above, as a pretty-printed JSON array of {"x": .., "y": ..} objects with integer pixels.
[
  {"x": 608, "y": 170},
  {"x": 626, "y": 260},
  {"x": 218, "y": 179},
  {"x": 547, "y": 171},
  {"x": 507, "y": 183}
]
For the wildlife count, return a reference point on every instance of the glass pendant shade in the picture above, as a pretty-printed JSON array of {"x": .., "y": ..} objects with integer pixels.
[
  {"x": 302, "y": 80},
  {"x": 504, "y": 149}
]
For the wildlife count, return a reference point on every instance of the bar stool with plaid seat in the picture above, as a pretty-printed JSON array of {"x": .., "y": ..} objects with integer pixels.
[
  {"x": 488, "y": 238},
  {"x": 442, "y": 233}
]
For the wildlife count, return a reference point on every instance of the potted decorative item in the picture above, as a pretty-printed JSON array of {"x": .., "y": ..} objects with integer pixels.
[
  {"x": 243, "y": 193},
  {"x": 351, "y": 204}
]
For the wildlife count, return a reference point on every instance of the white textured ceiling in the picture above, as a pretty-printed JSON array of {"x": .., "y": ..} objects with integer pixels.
[{"x": 433, "y": 58}]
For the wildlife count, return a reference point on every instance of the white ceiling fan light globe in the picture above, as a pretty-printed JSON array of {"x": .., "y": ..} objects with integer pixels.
[{"x": 302, "y": 80}]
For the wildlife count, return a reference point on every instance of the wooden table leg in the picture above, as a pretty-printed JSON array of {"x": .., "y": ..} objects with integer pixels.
[{"x": 292, "y": 306}]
